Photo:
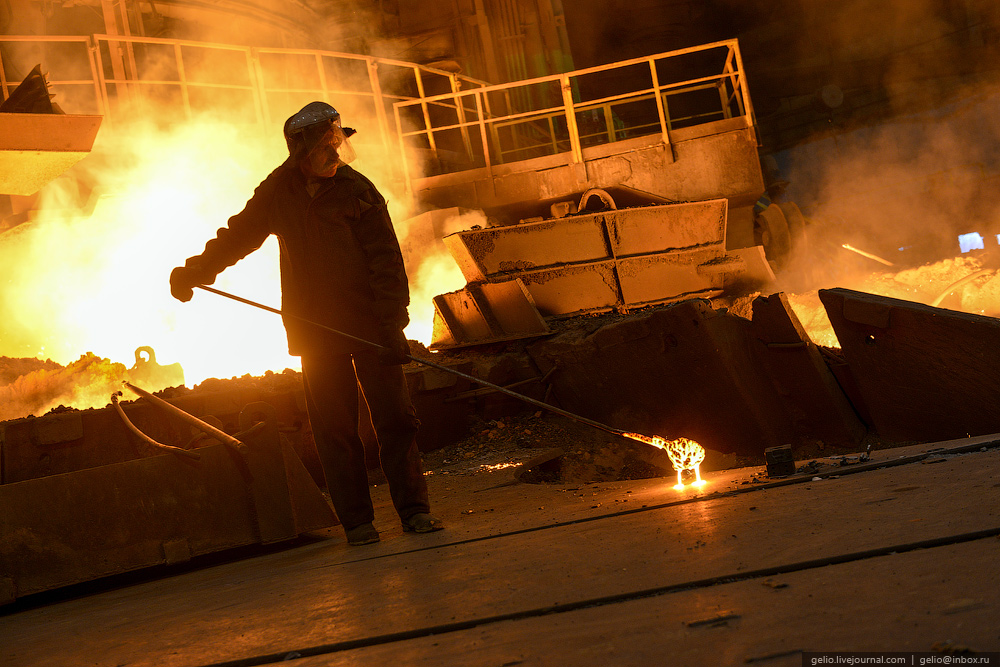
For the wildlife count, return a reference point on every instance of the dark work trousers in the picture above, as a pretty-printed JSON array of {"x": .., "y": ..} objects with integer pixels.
[{"x": 331, "y": 387}]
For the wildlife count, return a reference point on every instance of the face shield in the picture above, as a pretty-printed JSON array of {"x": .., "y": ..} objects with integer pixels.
[{"x": 326, "y": 147}]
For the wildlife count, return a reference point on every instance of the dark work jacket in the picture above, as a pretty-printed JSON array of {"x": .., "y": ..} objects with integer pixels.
[{"x": 340, "y": 261}]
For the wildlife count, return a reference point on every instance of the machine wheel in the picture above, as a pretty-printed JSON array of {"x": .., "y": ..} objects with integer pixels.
[
  {"x": 796, "y": 225},
  {"x": 775, "y": 235}
]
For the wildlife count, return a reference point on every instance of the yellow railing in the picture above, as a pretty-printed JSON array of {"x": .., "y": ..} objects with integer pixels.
[
  {"x": 498, "y": 124},
  {"x": 111, "y": 75},
  {"x": 451, "y": 122}
]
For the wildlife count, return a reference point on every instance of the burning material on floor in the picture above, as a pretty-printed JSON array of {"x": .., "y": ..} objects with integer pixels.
[{"x": 685, "y": 455}]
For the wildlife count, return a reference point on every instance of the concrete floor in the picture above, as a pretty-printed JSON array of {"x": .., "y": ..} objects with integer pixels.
[{"x": 903, "y": 558}]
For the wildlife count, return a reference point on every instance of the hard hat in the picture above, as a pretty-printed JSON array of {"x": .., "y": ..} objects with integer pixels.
[{"x": 309, "y": 124}]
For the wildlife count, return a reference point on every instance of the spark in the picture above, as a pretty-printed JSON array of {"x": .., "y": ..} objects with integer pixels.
[
  {"x": 684, "y": 455},
  {"x": 867, "y": 254}
]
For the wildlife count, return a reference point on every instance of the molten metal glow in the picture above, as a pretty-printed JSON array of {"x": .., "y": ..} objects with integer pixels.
[
  {"x": 97, "y": 280},
  {"x": 867, "y": 254},
  {"x": 971, "y": 290},
  {"x": 684, "y": 455}
]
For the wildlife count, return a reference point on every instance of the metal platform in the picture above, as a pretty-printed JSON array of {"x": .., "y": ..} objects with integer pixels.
[{"x": 625, "y": 573}]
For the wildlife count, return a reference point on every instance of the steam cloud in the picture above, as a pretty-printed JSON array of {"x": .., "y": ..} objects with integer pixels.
[{"x": 159, "y": 187}]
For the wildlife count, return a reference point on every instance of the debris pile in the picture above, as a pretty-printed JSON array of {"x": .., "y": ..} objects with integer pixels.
[
  {"x": 549, "y": 448},
  {"x": 695, "y": 369}
]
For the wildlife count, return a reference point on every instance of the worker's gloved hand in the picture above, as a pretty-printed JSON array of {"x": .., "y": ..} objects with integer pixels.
[
  {"x": 184, "y": 278},
  {"x": 395, "y": 348}
]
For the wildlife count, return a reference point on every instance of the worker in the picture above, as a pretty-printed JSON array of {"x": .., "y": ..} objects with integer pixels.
[{"x": 341, "y": 267}]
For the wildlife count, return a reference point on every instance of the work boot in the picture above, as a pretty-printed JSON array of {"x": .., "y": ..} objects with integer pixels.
[
  {"x": 422, "y": 523},
  {"x": 363, "y": 534}
]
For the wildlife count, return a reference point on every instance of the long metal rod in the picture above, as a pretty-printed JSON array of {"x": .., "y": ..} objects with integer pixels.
[
  {"x": 425, "y": 362},
  {"x": 204, "y": 427},
  {"x": 145, "y": 438}
]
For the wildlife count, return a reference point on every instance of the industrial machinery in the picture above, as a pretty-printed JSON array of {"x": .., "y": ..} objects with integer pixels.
[{"x": 610, "y": 188}]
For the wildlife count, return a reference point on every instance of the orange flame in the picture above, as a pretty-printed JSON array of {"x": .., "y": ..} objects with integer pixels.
[
  {"x": 97, "y": 280},
  {"x": 684, "y": 455}
]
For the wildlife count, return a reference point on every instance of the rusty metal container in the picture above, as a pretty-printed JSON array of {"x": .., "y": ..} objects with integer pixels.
[
  {"x": 486, "y": 312},
  {"x": 612, "y": 259},
  {"x": 36, "y": 148},
  {"x": 78, "y": 526}
]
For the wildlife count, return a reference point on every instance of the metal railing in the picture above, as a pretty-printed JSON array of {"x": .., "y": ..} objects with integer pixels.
[
  {"x": 499, "y": 124},
  {"x": 113, "y": 75},
  {"x": 449, "y": 122}
]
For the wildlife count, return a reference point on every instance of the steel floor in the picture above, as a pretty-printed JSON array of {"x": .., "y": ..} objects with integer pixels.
[{"x": 903, "y": 558}]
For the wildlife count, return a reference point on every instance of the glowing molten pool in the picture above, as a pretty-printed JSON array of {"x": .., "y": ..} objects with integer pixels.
[{"x": 684, "y": 455}]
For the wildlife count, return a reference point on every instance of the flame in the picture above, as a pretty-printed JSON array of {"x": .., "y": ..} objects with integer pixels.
[
  {"x": 429, "y": 265},
  {"x": 684, "y": 455},
  {"x": 438, "y": 273},
  {"x": 98, "y": 280}
]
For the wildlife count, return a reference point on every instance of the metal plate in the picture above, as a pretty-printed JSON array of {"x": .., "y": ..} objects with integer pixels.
[{"x": 36, "y": 148}]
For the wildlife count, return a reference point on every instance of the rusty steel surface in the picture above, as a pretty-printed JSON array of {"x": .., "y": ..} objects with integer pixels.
[
  {"x": 36, "y": 148},
  {"x": 65, "y": 442},
  {"x": 715, "y": 160},
  {"x": 79, "y": 526},
  {"x": 485, "y": 313},
  {"x": 689, "y": 370},
  {"x": 629, "y": 573},
  {"x": 923, "y": 373},
  {"x": 612, "y": 259}
]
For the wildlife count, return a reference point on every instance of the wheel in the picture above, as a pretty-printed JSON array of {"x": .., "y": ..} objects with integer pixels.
[
  {"x": 775, "y": 235},
  {"x": 796, "y": 225}
]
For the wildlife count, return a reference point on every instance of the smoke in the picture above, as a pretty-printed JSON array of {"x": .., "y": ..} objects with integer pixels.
[
  {"x": 90, "y": 270},
  {"x": 87, "y": 382},
  {"x": 903, "y": 190},
  {"x": 99, "y": 281},
  {"x": 908, "y": 161}
]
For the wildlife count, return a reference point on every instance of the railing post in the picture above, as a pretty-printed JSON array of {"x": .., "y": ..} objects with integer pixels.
[
  {"x": 424, "y": 109},
  {"x": 322, "y": 77},
  {"x": 744, "y": 92},
  {"x": 574, "y": 131},
  {"x": 183, "y": 79},
  {"x": 103, "y": 82},
  {"x": 724, "y": 96},
  {"x": 460, "y": 109},
  {"x": 407, "y": 179},
  {"x": 383, "y": 123},
  {"x": 3, "y": 78},
  {"x": 99, "y": 98},
  {"x": 255, "y": 88},
  {"x": 484, "y": 135},
  {"x": 257, "y": 75},
  {"x": 661, "y": 104}
]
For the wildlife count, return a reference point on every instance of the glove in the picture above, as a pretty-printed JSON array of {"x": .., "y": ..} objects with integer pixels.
[
  {"x": 395, "y": 348},
  {"x": 184, "y": 278}
]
